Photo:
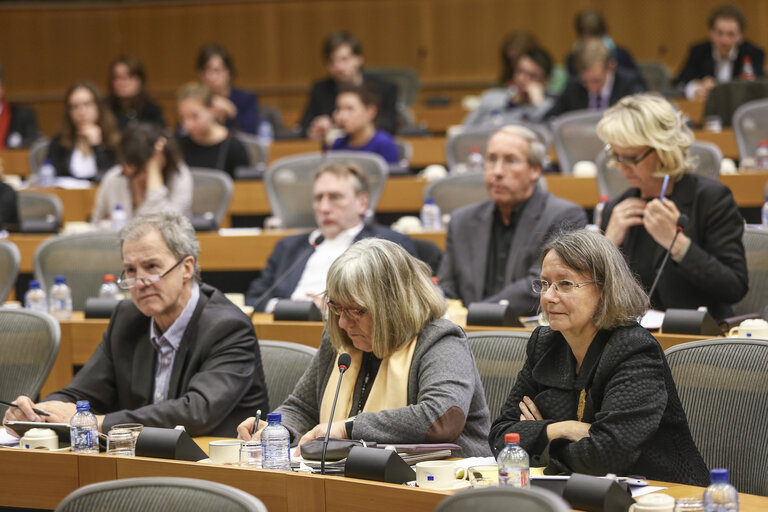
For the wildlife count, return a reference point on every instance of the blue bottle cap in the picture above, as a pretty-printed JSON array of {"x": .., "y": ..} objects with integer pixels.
[
  {"x": 33, "y": 284},
  {"x": 274, "y": 416},
  {"x": 719, "y": 476},
  {"x": 60, "y": 280},
  {"x": 83, "y": 405}
]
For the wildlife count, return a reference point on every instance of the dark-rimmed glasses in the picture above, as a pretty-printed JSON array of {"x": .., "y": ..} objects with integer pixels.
[
  {"x": 126, "y": 283},
  {"x": 563, "y": 287},
  {"x": 629, "y": 161}
]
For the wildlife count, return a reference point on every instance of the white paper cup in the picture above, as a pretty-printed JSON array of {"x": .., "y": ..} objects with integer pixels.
[
  {"x": 653, "y": 503},
  {"x": 436, "y": 474},
  {"x": 225, "y": 451},
  {"x": 40, "y": 438}
]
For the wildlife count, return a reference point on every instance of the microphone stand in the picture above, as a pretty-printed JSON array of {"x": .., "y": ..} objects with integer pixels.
[
  {"x": 342, "y": 369},
  {"x": 664, "y": 261}
]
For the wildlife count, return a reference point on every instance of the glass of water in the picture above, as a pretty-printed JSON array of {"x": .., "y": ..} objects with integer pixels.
[
  {"x": 121, "y": 441},
  {"x": 689, "y": 505},
  {"x": 250, "y": 454}
]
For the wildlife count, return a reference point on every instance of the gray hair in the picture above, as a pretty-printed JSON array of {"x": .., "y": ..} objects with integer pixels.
[
  {"x": 622, "y": 300},
  {"x": 346, "y": 170},
  {"x": 537, "y": 150},
  {"x": 176, "y": 230},
  {"x": 392, "y": 285}
]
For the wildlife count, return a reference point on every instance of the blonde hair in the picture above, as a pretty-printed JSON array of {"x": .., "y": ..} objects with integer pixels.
[
  {"x": 195, "y": 90},
  {"x": 591, "y": 52},
  {"x": 392, "y": 285},
  {"x": 649, "y": 120}
]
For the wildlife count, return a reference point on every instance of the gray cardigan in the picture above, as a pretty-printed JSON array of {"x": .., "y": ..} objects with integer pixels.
[{"x": 445, "y": 396}]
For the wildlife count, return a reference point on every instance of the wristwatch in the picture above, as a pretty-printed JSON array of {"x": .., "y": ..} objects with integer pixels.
[{"x": 348, "y": 424}]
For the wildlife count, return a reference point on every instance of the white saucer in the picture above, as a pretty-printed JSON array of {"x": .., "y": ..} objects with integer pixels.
[{"x": 457, "y": 485}]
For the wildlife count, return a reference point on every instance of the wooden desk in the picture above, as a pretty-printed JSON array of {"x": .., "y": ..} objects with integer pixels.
[{"x": 15, "y": 161}]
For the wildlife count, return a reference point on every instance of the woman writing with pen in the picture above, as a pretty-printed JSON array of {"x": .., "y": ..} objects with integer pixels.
[{"x": 648, "y": 141}]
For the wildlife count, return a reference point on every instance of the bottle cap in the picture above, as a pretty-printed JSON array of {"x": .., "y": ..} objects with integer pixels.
[
  {"x": 719, "y": 476},
  {"x": 109, "y": 278},
  {"x": 274, "y": 416},
  {"x": 429, "y": 200},
  {"x": 83, "y": 405},
  {"x": 34, "y": 284},
  {"x": 60, "y": 280},
  {"x": 512, "y": 437}
]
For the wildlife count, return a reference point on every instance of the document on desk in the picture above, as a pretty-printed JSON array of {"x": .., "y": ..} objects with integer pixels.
[{"x": 7, "y": 439}]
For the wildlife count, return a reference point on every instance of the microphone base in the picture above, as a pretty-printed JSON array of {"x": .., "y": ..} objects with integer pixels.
[{"x": 379, "y": 465}]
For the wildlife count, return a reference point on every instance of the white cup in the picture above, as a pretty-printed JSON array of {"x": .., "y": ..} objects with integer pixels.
[
  {"x": 40, "y": 438},
  {"x": 653, "y": 503},
  {"x": 436, "y": 474},
  {"x": 225, "y": 451},
  {"x": 751, "y": 328}
]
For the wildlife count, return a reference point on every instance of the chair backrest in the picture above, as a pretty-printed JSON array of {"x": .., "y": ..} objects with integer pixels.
[
  {"x": 706, "y": 158},
  {"x": 38, "y": 152},
  {"x": 504, "y": 499},
  {"x": 284, "y": 363},
  {"x": 725, "y": 98},
  {"x": 39, "y": 213},
  {"x": 656, "y": 75},
  {"x": 428, "y": 252},
  {"x": 289, "y": 183},
  {"x": 457, "y": 190},
  {"x": 258, "y": 154},
  {"x": 82, "y": 258},
  {"x": 29, "y": 343},
  {"x": 576, "y": 138},
  {"x": 9, "y": 267},
  {"x": 459, "y": 145},
  {"x": 211, "y": 194},
  {"x": 160, "y": 494},
  {"x": 499, "y": 356},
  {"x": 730, "y": 373},
  {"x": 750, "y": 125},
  {"x": 404, "y": 152},
  {"x": 406, "y": 80},
  {"x": 756, "y": 247}
]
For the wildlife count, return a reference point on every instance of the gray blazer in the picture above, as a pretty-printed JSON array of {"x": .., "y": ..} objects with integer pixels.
[{"x": 462, "y": 270}]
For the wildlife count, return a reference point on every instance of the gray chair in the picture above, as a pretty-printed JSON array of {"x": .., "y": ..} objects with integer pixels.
[
  {"x": 656, "y": 76},
  {"x": 258, "y": 154},
  {"x": 160, "y": 494},
  {"x": 284, "y": 363},
  {"x": 459, "y": 145},
  {"x": 289, "y": 181},
  {"x": 725, "y": 98},
  {"x": 457, "y": 190},
  {"x": 29, "y": 343},
  {"x": 499, "y": 356},
  {"x": 404, "y": 152},
  {"x": 576, "y": 138},
  {"x": 211, "y": 194},
  {"x": 82, "y": 258},
  {"x": 756, "y": 247},
  {"x": 504, "y": 499},
  {"x": 38, "y": 152},
  {"x": 723, "y": 386},
  {"x": 750, "y": 125},
  {"x": 10, "y": 259},
  {"x": 39, "y": 213}
]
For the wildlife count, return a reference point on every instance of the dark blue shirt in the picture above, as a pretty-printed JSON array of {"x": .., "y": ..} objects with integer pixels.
[{"x": 381, "y": 143}]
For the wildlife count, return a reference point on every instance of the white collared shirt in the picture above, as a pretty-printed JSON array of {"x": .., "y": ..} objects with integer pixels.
[{"x": 724, "y": 66}]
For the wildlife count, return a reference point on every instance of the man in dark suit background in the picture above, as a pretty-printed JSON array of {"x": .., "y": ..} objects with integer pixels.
[
  {"x": 179, "y": 354},
  {"x": 599, "y": 84},
  {"x": 340, "y": 200},
  {"x": 492, "y": 248},
  {"x": 18, "y": 125},
  {"x": 723, "y": 58},
  {"x": 343, "y": 55}
]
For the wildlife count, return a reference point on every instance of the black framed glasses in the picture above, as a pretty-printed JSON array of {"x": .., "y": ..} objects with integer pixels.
[
  {"x": 353, "y": 313},
  {"x": 630, "y": 161},
  {"x": 563, "y": 287},
  {"x": 126, "y": 283}
]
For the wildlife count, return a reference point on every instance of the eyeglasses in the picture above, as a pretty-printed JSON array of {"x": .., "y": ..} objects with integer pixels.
[
  {"x": 507, "y": 162},
  {"x": 126, "y": 283},
  {"x": 629, "y": 161},
  {"x": 562, "y": 287},
  {"x": 353, "y": 313}
]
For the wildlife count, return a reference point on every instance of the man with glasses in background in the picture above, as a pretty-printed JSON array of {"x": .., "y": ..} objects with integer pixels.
[
  {"x": 492, "y": 248},
  {"x": 179, "y": 353}
]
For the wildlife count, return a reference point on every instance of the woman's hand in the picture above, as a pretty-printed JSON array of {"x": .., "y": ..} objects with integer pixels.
[
  {"x": 571, "y": 429},
  {"x": 223, "y": 108},
  {"x": 338, "y": 431},
  {"x": 91, "y": 133},
  {"x": 155, "y": 164},
  {"x": 245, "y": 428},
  {"x": 528, "y": 410},
  {"x": 319, "y": 127},
  {"x": 626, "y": 214},
  {"x": 660, "y": 221}
]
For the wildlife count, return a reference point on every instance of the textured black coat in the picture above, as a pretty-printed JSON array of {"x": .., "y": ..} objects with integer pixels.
[{"x": 638, "y": 425}]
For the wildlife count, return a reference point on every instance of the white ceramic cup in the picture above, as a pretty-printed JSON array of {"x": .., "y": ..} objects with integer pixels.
[
  {"x": 225, "y": 451},
  {"x": 653, "y": 503},
  {"x": 40, "y": 438},
  {"x": 751, "y": 328},
  {"x": 436, "y": 474}
]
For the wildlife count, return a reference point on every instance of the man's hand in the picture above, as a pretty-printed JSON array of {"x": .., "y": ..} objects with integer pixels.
[{"x": 245, "y": 428}]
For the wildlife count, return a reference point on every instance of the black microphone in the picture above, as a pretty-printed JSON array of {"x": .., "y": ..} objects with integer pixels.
[
  {"x": 682, "y": 222},
  {"x": 344, "y": 361},
  {"x": 315, "y": 239}
]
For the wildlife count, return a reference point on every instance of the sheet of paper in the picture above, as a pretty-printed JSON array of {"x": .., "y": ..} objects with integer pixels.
[
  {"x": 652, "y": 319},
  {"x": 640, "y": 491},
  {"x": 7, "y": 439}
]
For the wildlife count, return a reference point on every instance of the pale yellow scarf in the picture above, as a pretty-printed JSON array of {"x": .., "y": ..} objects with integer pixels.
[{"x": 389, "y": 390}]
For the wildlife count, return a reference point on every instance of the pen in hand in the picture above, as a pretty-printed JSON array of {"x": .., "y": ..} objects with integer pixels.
[
  {"x": 664, "y": 188},
  {"x": 37, "y": 411},
  {"x": 256, "y": 423}
]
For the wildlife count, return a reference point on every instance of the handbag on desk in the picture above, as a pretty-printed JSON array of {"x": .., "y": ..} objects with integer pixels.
[{"x": 338, "y": 449}]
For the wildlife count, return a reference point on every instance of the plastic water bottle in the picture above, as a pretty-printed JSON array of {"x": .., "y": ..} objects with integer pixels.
[
  {"x": 720, "y": 496},
  {"x": 60, "y": 299},
  {"x": 119, "y": 218},
  {"x": 430, "y": 215},
  {"x": 765, "y": 212},
  {"x": 35, "y": 298},
  {"x": 47, "y": 175},
  {"x": 514, "y": 467},
  {"x": 475, "y": 161},
  {"x": 275, "y": 444},
  {"x": 761, "y": 156},
  {"x": 84, "y": 429},
  {"x": 747, "y": 70},
  {"x": 266, "y": 133},
  {"x": 597, "y": 214},
  {"x": 109, "y": 289}
]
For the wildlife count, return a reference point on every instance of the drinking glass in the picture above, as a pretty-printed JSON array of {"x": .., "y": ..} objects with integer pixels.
[{"x": 121, "y": 441}]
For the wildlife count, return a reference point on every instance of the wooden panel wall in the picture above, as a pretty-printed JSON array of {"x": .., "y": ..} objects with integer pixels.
[{"x": 276, "y": 43}]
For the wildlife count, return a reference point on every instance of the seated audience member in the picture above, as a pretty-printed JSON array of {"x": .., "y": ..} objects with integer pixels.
[
  {"x": 723, "y": 57},
  {"x": 525, "y": 98},
  {"x": 128, "y": 96},
  {"x": 511, "y": 48},
  {"x": 207, "y": 143},
  {"x": 9, "y": 208},
  {"x": 356, "y": 108},
  {"x": 85, "y": 147},
  {"x": 235, "y": 108},
  {"x": 590, "y": 24},
  {"x": 18, "y": 125},
  {"x": 599, "y": 83},
  {"x": 340, "y": 200},
  {"x": 595, "y": 394},
  {"x": 179, "y": 353},
  {"x": 385, "y": 312},
  {"x": 491, "y": 248},
  {"x": 150, "y": 178},
  {"x": 343, "y": 55},
  {"x": 649, "y": 139}
]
